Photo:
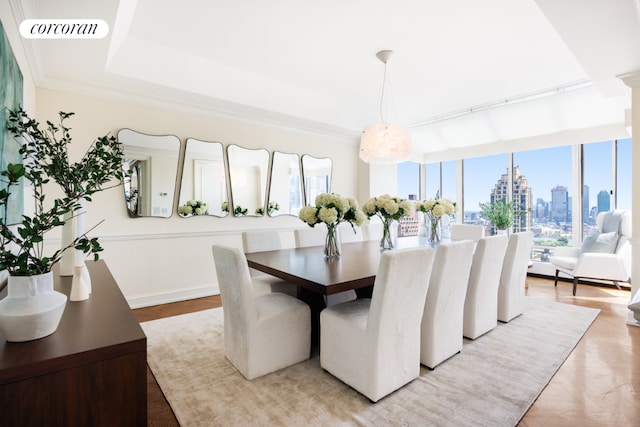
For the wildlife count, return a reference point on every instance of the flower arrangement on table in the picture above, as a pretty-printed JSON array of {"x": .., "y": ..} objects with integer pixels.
[
  {"x": 388, "y": 209},
  {"x": 193, "y": 207},
  {"x": 434, "y": 210},
  {"x": 332, "y": 209}
]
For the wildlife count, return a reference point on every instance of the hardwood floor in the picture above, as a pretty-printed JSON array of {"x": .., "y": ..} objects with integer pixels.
[{"x": 598, "y": 384}]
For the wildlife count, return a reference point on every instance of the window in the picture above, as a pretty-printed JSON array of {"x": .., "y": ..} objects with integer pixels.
[
  {"x": 548, "y": 176},
  {"x": 408, "y": 180},
  {"x": 623, "y": 174},
  {"x": 597, "y": 181},
  {"x": 432, "y": 186},
  {"x": 449, "y": 180},
  {"x": 481, "y": 177}
]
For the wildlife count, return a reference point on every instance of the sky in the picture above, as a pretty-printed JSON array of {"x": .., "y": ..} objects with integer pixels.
[{"x": 544, "y": 170}]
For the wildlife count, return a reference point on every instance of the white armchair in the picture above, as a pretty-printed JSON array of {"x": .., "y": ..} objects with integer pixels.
[
  {"x": 264, "y": 333},
  {"x": 373, "y": 345},
  {"x": 604, "y": 255}
]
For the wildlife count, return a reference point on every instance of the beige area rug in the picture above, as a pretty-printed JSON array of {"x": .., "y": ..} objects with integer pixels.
[{"x": 492, "y": 382}]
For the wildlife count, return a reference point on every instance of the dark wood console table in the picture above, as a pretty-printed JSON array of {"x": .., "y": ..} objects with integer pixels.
[{"x": 90, "y": 372}]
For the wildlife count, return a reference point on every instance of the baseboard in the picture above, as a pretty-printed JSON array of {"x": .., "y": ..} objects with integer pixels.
[{"x": 169, "y": 297}]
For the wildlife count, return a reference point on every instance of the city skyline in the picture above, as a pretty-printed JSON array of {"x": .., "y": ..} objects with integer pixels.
[{"x": 544, "y": 169}]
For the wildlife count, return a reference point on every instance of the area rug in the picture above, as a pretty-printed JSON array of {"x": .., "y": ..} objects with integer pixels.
[{"x": 492, "y": 382}]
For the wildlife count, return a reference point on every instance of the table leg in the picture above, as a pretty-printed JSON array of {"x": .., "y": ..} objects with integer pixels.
[{"x": 316, "y": 304}]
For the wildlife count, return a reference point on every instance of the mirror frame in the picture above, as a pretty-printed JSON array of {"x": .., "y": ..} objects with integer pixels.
[
  {"x": 200, "y": 167},
  {"x": 235, "y": 177},
  {"x": 273, "y": 206},
  {"x": 134, "y": 206},
  {"x": 307, "y": 196}
]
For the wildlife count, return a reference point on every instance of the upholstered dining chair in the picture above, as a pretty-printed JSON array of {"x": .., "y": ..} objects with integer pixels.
[
  {"x": 514, "y": 275},
  {"x": 372, "y": 231},
  {"x": 263, "y": 333},
  {"x": 373, "y": 345},
  {"x": 481, "y": 302},
  {"x": 349, "y": 234},
  {"x": 266, "y": 240},
  {"x": 466, "y": 231},
  {"x": 441, "y": 330},
  {"x": 310, "y": 236}
]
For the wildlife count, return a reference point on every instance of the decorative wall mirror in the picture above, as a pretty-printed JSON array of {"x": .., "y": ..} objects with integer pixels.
[
  {"x": 153, "y": 161},
  {"x": 285, "y": 188},
  {"x": 248, "y": 179},
  {"x": 203, "y": 180},
  {"x": 317, "y": 177}
]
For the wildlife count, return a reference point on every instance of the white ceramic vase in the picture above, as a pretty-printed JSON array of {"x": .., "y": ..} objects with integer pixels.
[{"x": 32, "y": 308}]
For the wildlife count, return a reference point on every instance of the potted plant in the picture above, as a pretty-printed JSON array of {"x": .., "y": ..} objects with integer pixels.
[
  {"x": 32, "y": 308},
  {"x": 500, "y": 214}
]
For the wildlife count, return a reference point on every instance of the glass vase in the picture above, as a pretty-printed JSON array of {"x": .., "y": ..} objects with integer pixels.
[
  {"x": 386, "y": 242},
  {"x": 434, "y": 230},
  {"x": 332, "y": 242}
]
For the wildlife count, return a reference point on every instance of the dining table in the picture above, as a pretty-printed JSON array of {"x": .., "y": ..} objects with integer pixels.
[{"x": 317, "y": 276}]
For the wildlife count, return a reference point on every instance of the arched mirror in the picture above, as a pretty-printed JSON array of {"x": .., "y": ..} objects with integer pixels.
[
  {"x": 153, "y": 161},
  {"x": 248, "y": 179},
  {"x": 285, "y": 188},
  {"x": 317, "y": 176},
  {"x": 203, "y": 189}
]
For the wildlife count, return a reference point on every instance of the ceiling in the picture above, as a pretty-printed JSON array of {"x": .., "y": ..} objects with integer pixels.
[{"x": 311, "y": 64}]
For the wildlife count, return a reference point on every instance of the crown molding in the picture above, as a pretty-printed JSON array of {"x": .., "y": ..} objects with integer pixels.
[{"x": 631, "y": 79}]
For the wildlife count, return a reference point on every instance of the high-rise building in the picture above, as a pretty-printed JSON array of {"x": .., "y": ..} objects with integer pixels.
[
  {"x": 542, "y": 209},
  {"x": 560, "y": 204},
  {"x": 522, "y": 202},
  {"x": 604, "y": 201},
  {"x": 585, "y": 204}
]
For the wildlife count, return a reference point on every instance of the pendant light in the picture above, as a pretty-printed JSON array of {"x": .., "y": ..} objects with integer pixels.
[{"x": 385, "y": 143}]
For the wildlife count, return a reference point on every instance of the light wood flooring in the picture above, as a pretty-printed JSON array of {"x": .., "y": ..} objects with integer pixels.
[{"x": 598, "y": 384}]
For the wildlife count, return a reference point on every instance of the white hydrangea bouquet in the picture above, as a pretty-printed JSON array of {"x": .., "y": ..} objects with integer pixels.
[
  {"x": 193, "y": 207},
  {"x": 388, "y": 209},
  {"x": 332, "y": 209},
  {"x": 434, "y": 210}
]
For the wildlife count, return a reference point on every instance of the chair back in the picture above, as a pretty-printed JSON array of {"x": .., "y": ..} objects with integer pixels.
[
  {"x": 466, "y": 232},
  {"x": 444, "y": 306},
  {"x": 311, "y": 236},
  {"x": 349, "y": 234},
  {"x": 261, "y": 240},
  {"x": 481, "y": 302},
  {"x": 236, "y": 293},
  {"x": 398, "y": 297},
  {"x": 372, "y": 231},
  {"x": 513, "y": 276}
]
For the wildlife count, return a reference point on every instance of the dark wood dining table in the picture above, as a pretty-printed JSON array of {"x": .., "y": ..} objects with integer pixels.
[{"x": 317, "y": 276}]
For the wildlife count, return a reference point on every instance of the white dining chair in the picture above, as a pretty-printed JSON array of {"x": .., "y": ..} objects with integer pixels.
[
  {"x": 441, "y": 331},
  {"x": 263, "y": 333},
  {"x": 466, "y": 231},
  {"x": 266, "y": 240},
  {"x": 373, "y": 345},
  {"x": 310, "y": 236},
  {"x": 481, "y": 302},
  {"x": 349, "y": 234},
  {"x": 372, "y": 231},
  {"x": 511, "y": 295}
]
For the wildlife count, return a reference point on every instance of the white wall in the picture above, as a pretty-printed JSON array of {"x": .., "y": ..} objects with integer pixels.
[{"x": 157, "y": 260}]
